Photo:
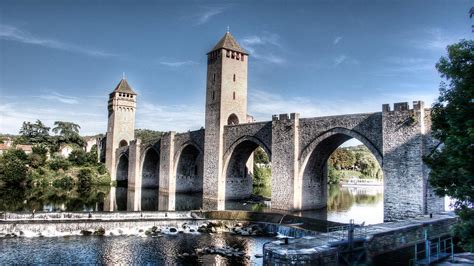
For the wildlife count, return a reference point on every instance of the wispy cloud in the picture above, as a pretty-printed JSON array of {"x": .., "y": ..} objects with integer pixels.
[
  {"x": 339, "y": 60},
  {"x": 344, "y": 59},
  {"x": 337, "y": 40},
  {"x": 207, "y": 13},
  {"x": 178, "y": 63},
  {"x": 261, "y": 47},
  {"x": 54, "y": 96},
  {"x": 178, "y": 118},
  {"x": 416, "y": 65},
  {"x": 14, "y": 113},
  {"x": 12, "y": 33},
  {"x": 435, "y": 39}
]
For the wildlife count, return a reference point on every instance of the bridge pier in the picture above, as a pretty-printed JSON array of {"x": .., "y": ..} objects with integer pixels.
[
  {"x": 286, "y": 184},
  {"x": 167, "y": 176},
  {"x": 406, "y": 138},
  {"x": 134, "y": 176}
]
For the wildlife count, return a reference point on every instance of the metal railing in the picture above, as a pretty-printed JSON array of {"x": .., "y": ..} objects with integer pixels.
[{"x": 433, "y": 251}]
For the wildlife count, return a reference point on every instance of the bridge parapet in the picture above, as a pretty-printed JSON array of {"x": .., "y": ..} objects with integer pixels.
[
  {"x": 285, "y": 116},
  {"x": 403, "y": 106}
]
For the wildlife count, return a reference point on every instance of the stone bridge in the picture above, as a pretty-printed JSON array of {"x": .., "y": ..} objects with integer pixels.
[
  {"x": 299, "y": 149},
  {"x": 217, "y": 160}
]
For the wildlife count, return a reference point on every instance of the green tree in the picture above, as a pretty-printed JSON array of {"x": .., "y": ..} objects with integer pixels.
[
  {"x": 260, "y": 156},
  {"x": 13, "y": 168},
  {"x": 147, "y": 135},
  {"x": 452, "y": 162},
  {"x": 68, "y": 132},
  {"x": 33, "y": 133}
]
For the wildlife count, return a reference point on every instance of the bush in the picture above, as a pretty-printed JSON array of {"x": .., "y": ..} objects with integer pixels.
[
  {"x": 59, "y": 163},
  {"x": 13, "y": 167},
  {"x": 65, "y": 182},
  {"x": 102, "y": 169},
  {"x": 78, "y": 157}
]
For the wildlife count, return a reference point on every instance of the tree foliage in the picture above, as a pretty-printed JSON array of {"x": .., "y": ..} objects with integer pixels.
[
  {"x": 357, "y": 159},
  {"x": 260, "y": 156},
  {"x": 33, "y": 133},
  {"x": 452, "y": 162},
  {"x": 68, "y": 132},
  {"x": 14, "y": 168},
  {"x": 147, "y": 135}
]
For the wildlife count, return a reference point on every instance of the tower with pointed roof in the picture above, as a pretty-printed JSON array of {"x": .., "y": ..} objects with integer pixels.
[
  {"x": 226, "y": 104},
  {"x": 121, "y": 122}
]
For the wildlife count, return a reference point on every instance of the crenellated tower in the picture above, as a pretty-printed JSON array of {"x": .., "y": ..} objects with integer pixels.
[
  {"x": 121, "y": 122},
  {"x": 226, "y": 104}
]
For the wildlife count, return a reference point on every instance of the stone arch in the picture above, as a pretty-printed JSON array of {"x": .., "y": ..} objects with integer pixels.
[
  {"x": 150, "y": 178},
  {"x": 122, "y": 168},
  {"x": 313, "y": 164},
  {"x": 123, "y": 143},
  {"x": 233, "y": 119},
  {"x": 189, "y": 168},
  {"x": 122, "y": 183},
  {"x": 150, "y": 168},
  {"x": 238, "y": 165}
]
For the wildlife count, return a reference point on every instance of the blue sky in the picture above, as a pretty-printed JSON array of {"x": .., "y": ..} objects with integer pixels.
[{"x": 60, "y": 59}]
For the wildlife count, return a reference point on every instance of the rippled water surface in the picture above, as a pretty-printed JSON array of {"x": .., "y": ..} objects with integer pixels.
[{"x": 128, "y": 249}]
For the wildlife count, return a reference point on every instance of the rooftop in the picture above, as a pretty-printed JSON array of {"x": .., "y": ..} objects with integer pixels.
[
  {"x": 124, "y": 87},
  {"x": 228, "y": 42}
]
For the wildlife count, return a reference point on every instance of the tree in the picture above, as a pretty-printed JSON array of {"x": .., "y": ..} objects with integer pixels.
[
  {"x": 33, "y": 133},
  {"x": 68, "y": 132},
  {"x": 452, "y": 161},
  {"x": 13, "y": 168},
  {"x": 260, "y": 156}
]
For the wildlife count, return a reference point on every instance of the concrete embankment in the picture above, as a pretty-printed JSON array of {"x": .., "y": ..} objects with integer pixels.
[{"x": 370, "y": 243}]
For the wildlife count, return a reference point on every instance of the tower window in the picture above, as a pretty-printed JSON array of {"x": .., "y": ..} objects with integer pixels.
[
  {"x": 232, "y": 120},
  {"x": 234, "y": 77},
  {"x": 233, "y": 95},
  {"x": 214, "y": 77},
  {"x": 213, "y": 95}
]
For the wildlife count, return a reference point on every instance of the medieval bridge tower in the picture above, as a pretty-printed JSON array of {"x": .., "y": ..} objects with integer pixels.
[
  {"x": 215, "y": 160},
  {"x": 226, "y": 104},
  {"x": 121, "y": 124}
]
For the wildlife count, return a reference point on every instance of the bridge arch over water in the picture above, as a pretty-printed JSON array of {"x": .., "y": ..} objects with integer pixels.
[
  {"x": 189, "y": 167},
  {"x": 238, "y": 166},
  {"x": 313, "y": 164}
]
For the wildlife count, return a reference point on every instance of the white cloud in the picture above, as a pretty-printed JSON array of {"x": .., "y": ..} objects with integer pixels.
[
  {"x": 396, "y": 65},
  {"x": 264, "y": 47},
  {"x": 337, "y": 40},
  {"x": 178, "y": 63},
  {"x": 54, "y": 96},
  {"x": 436, "y": 39},
  {"x": 11, "y": 33},
  {"x": 178, "y": 118},
  {"x": 14, "y": 114},
  {"x": 207, "y": 14},
  {"x": 344, "y": 59},
  {"x": 339, "y": 60}
]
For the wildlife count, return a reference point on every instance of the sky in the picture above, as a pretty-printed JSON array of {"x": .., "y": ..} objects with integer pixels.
[{"x": 59, "y": 60}]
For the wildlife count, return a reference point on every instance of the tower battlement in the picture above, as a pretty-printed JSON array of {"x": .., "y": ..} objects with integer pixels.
[{"x": 404, "y": 106}]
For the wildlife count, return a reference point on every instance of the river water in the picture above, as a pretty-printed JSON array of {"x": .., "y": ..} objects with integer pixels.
[{"x": 363, "y": 204}]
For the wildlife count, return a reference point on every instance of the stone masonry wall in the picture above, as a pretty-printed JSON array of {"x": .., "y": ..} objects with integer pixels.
[
  {"x": 285, "y": 187},
  {"x": 404, "y": 184},
  {"x": 167, "y": 184}
]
